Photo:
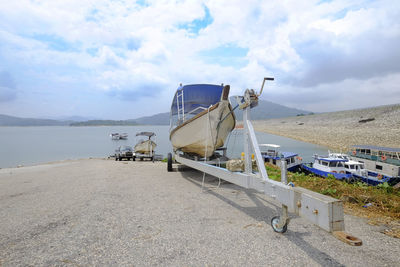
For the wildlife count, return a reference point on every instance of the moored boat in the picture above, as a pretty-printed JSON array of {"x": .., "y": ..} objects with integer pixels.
[
  {"x": 272, "y": 155},
  {"x": 118, "y": 136},
  {"x": 123, "y": 136},
  {"x": 324, "y": 166},
  {"x": 114, "y": 136},
  {"x": 201, "y": 118},
  {"x": 381, "y": 163}
]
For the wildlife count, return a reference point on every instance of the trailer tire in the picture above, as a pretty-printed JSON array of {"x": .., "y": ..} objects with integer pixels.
[
  {"x": 169, "y": 162},
  {"x": 274, "y": 224}
]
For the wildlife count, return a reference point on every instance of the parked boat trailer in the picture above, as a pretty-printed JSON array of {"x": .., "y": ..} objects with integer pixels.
[
  {"x": 140, "y": 156},
  {"x": 324, "y": 211}
]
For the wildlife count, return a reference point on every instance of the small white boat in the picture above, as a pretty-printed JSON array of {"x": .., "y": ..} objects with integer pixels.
[
  {"x": 123, "y": 136},
  {"x": 201, "y": 119},
  {"x": 146, "y": 146},
  {"x": 118, "y": 136},
  {"x": 114, "y": 136}
]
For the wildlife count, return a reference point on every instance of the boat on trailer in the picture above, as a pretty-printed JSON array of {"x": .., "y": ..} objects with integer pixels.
[
  {"x": 325, "y": 166},
  {"x": 272, "y": 155},
  {"x": 144, "y": 148},
  {"x": 201, "y": 118},
  {"x": 324, "y": 211}
]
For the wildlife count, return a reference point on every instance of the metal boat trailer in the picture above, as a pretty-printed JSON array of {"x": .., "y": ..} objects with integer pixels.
[
  {"x": 140, "y": 156},
  {"x": 324, "y": 211}
]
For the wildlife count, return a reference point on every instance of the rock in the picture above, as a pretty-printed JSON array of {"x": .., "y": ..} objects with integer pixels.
[{"x": 235, "y": 165}]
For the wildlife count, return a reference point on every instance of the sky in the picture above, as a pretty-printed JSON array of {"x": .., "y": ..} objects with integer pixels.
[{"x": 121, "y": 59}]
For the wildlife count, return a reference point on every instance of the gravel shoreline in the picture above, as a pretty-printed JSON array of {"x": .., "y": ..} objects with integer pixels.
[
  {"x": 340, "y": 130},
  {"x": 101, "y": 212}
]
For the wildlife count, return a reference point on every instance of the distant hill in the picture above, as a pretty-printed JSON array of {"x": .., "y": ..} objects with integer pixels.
[
  {"x": 157, "y": 119},
  {"x": 72, "y": 118},
  {"x": 104, "y": 123},
  {"x": 265, "y": 110},
  {"x": 6, "y": 120},
  {"x": 268, "y": 110}
]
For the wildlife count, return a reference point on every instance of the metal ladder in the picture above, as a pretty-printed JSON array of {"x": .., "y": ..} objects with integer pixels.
[{"x": 180, "y": 106}]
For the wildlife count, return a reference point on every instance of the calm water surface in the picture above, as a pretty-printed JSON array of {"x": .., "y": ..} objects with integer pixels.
[{"x": 32, "y": 145}]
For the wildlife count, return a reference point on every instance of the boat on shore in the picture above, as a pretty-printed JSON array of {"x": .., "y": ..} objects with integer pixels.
[
  {"x": 145, "y": 146},
  {"x": 201, "y": 118},
  {"x": 272, "y": 155},
  {"x": 325, "y": 166}
]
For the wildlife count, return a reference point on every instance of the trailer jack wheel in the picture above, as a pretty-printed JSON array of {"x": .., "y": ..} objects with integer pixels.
[
  {"x": 169, "y": 162},
  {"x": 275, "y": 223}
]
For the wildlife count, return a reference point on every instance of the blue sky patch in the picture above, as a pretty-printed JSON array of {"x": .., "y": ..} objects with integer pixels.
[
  {"x": 133, "y": 44},
  {"x": 196, "y": 25},
  {"x": 226, "y": 55},
  {"x": 54, "y": 42},
  {"x": 92, "y": 51}
]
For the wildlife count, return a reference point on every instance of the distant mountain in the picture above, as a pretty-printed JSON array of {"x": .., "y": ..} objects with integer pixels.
[
  {"x": 157, "y": 119},
  {"x": 104, "y": 123},
  {"x": 268, "y": 110},
  {"x": 264, "y": 110},
  {"x": 6, "y": 120},
  {"x": 72, "y": 118}
]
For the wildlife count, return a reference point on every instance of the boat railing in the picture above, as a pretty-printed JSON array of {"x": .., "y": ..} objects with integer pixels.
[
  {"x": 382, "y": 158},
  {"x": 196, "y": 109}
]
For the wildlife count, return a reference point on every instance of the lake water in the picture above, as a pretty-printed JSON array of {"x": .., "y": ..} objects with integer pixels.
[{"x": 33, "y": 145}]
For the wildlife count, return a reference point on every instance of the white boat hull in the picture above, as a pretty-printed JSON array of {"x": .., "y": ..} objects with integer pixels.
[
  {"x": 145, "y": 147},
  {"x": 206, "y": 132}
]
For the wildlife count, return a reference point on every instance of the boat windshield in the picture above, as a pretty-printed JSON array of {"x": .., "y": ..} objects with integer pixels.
[
  {"x": 190, "y": 100},
  {"x": 196, "y": 97},
  {"x": 335, "y": 164}
]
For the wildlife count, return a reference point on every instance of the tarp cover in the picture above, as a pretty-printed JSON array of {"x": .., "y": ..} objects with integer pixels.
[{"x": 197, "y": 95}]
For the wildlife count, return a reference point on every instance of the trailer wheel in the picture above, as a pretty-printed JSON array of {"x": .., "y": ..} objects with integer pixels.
[
  {"x": 133, "y": 158},
  {"x": 169, "y": 162},
  {"x": 116, "y": 158},
  {"x": 275, "y": 223}
]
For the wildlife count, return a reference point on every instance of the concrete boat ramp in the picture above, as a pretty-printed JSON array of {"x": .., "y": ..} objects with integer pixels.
[{"x": 105, "y": 212}]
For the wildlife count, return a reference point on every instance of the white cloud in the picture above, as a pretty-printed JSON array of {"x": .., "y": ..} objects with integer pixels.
[{"x": 121, "y": 48}]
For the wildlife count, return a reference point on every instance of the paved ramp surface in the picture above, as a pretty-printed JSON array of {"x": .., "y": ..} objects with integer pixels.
[{"x": 103, "y": 212}]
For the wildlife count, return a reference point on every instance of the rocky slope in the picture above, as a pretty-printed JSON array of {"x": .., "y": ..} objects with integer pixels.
[{"x": 378, "y": 126}]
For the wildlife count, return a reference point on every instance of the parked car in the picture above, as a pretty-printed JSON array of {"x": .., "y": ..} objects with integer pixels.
[{"x": 124, "y": 152}]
